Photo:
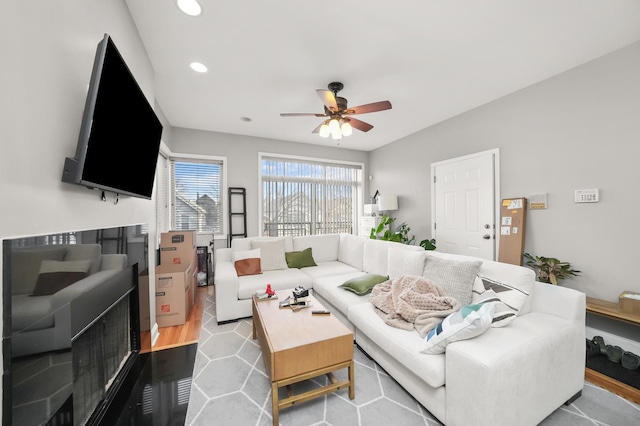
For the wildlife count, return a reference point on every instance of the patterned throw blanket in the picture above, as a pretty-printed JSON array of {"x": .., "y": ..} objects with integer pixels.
[{"x": 409, "y": 302}]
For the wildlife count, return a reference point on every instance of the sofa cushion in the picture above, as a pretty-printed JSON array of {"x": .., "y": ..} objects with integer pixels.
[
  {"x": 507, "y": 299},
  {"x": 470, "y": 321},
  {"x": 280, "y": 280},
  {"x": 513, "y": 275},
  {"x": 247, "y": 262},
  {"x": 56, "y": 275},
  {"x": 272, "y": 255},
  {"x": 91, "y": 252},
  {"x": 405, "y": 262},
  {"x": 25, "y": 266},
  {"x": 375, "y": 256},
  {"x": 403, "y": 345},
  {"x": 328, "y": 268},
  {"x": 245, "y": 243},
  {"x": 329, "y": 288},
  {"x": 363, "y": 284},
  {"x": 456, "y": 277},
  {"x": 325, "y": 247},
  {"x": 300, "y": 259},
  {"x": 351, "y": 250}
]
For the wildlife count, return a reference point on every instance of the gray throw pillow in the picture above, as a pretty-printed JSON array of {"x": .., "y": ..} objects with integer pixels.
[{"x": 456, "y": 277}]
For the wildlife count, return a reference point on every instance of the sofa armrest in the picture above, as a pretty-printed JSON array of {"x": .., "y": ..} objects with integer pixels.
[
  {"x": 113, "y": 261},
  {"x": 226, "y": 286},
  {"x": 561, "y": 301},
  {"x": 515, "y": 374}
]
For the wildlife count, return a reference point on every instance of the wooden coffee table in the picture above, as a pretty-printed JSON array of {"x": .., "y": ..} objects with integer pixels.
[{"x": 297, "y": 346}]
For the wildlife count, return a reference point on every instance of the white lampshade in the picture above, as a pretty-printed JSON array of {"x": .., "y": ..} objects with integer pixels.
[{"x": 387, "y": 202}]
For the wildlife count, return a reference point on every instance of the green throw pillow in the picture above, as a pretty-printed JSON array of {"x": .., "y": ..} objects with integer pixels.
[
  {"x": 300, "y": 259},
  {"x": 363, "y": 284}
]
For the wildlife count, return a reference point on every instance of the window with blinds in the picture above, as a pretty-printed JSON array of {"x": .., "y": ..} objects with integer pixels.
[
  {"x": 305, "y": 197},
  {"x": 197, "y": 195}
]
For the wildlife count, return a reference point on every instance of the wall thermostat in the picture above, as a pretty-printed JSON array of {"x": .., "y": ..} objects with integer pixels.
[{"x": 587, "y": 195}]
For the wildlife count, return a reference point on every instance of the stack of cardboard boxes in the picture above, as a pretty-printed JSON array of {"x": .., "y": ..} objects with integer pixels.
[{"x": 176, "y": 277}]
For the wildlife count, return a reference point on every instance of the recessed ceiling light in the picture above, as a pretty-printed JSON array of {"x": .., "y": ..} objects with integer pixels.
[
  {"x": 198, "y": 67},
  {"x": 190, "y": 7}
]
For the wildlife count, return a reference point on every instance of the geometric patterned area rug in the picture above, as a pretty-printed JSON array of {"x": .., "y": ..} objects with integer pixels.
[{"x": 230, "y": 387}]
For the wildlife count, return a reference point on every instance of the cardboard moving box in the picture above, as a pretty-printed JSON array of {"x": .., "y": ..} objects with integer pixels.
[
  {"x": 177, "y": 247},
  {"x": 175, "y": 286},
  {"x": 629, "y": 302}
]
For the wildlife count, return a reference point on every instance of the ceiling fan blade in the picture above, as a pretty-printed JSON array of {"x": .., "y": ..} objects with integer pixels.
[
  {"x": 360, "y": 125},
  {"x": 373, "y": 107},
  {"x": 301, "y": 114},
  {"x": 328, "y": 99}
]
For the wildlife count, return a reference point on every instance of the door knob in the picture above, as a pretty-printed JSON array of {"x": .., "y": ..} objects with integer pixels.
[{"x": 486, "y": 236}]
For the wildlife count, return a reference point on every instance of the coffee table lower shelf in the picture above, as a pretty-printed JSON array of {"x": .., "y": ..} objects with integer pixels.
[{"x": 292, "y": 399}]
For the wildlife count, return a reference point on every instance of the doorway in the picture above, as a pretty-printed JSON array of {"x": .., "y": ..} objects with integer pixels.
[{"x": 464, "y": 196}]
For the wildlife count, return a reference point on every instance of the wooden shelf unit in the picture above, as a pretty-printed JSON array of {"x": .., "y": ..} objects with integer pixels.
[{"x": 612, "y": 310}]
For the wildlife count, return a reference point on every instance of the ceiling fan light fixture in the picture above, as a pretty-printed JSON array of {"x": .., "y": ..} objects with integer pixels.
[
  {"x": 334, "y": 125},
  {"x": 190, "y": 7},
  {"x": 324, "y": 130},
  {"x": 336, "y": 136},
  {"x": 346, "y": 128}
]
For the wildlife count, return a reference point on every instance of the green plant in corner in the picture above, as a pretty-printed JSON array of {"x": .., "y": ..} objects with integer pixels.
[
  {"x": 383, "y": 231},
  {"x": 549, "y": 269}
]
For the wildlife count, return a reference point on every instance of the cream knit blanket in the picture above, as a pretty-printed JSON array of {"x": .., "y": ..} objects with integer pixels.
[{"x": 409, "y": 302}]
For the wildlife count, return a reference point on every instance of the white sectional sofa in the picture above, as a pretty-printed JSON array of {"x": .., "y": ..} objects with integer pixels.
[
  {"x": 42, "y": 323},
  {"x": 512, "y": 375}
]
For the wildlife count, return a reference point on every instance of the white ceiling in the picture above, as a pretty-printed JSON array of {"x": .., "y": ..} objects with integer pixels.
[{"x": 433, "y": 59}]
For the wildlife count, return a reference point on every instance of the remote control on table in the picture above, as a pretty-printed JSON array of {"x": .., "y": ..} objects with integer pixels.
[{"x": 318, "y": 312}]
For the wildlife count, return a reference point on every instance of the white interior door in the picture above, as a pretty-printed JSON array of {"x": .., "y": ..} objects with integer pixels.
[{"x": 463, "y": 204}]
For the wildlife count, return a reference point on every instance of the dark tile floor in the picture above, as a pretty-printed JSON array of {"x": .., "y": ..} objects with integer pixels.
[{"x": 160, "y": 395}]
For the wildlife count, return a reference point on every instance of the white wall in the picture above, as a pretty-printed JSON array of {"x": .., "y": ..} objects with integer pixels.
[
  {"x": 47, "y": 50},
  {"x": 242, "y": 156},
  {"x": 578, "y": 130}
]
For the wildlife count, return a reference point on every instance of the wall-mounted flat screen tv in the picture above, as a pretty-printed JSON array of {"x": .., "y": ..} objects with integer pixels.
[{"x": 120, "y": 133}]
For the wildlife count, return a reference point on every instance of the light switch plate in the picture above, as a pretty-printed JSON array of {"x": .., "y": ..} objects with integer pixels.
[{"x": 587, "y": 195}]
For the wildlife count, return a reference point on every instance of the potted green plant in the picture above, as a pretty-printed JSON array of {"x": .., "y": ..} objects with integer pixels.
[
  {"x": 549, "y": 269},
  {"x": 428, "y": 244},
  {"x": 384, "y": 231}
]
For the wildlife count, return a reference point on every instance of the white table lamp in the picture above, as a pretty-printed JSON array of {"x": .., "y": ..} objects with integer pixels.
[{"x": 387, "y": 203}]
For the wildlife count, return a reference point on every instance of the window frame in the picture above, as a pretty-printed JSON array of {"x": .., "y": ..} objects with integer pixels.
[
  {"x": 359, "y": 189},
  {"x": 169, "y": 210}
]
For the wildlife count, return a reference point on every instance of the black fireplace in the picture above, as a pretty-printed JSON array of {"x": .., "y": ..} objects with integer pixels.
[{"x": 71, "y": 335}]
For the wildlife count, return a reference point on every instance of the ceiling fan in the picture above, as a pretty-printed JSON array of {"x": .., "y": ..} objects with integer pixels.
[{"x": 340, "y": 121}]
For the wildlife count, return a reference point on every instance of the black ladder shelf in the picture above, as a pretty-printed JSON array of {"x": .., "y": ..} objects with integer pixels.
[{"x": 238, "y": 210}]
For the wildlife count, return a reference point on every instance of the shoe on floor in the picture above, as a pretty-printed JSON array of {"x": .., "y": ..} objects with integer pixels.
[
  {"x": 599, "y": 342},
  {"x": 614, "y": 353},
  {"x": 592, "y": 349},
  {"x": 630, "y": 360}
]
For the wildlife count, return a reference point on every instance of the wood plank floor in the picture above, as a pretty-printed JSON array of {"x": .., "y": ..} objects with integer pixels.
[{"x": 184, "y": 334}]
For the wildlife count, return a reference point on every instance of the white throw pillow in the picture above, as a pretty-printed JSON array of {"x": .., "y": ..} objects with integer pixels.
[
  {"x": 272, "y": 255},
  {"x": 468, "y": 322},
  {"x": 508, "y": 299},
  {"x": 401, "y": 261},
  {"x": 456, "y": 277}
]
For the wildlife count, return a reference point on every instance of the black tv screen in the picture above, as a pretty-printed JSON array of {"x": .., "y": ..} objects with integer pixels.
[{"x": 120, "y": 133}]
